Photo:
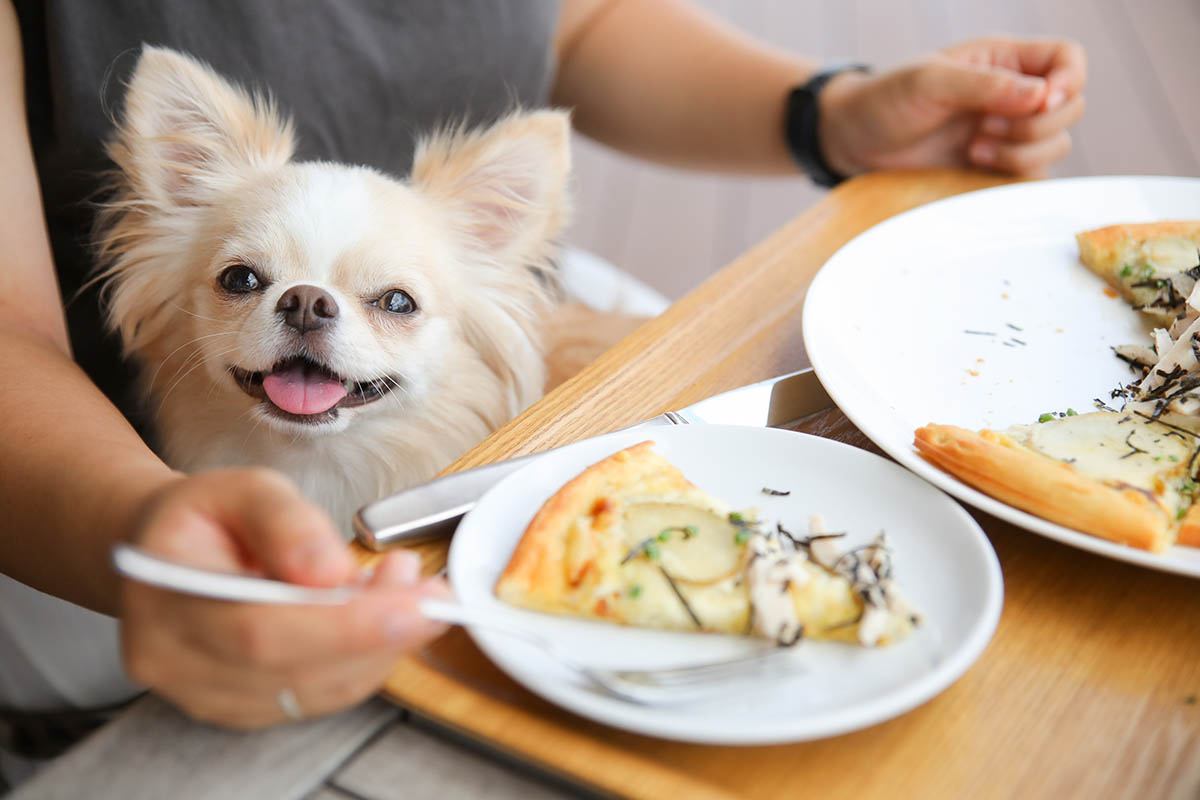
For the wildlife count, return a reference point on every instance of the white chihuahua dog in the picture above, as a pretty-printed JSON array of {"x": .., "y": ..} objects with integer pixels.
[{"x": 354, "y": 331}]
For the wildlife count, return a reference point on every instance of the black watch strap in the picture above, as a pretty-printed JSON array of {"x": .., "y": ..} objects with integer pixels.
[{"x": 801, "y": 129}]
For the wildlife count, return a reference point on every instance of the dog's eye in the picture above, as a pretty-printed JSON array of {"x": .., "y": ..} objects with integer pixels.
[
  {"x": 397, "y": 301},
  {"x": 239, "y": 279}
]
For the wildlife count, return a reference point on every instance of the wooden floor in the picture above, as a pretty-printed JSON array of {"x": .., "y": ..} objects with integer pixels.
[{"x": 673, "y": 229}]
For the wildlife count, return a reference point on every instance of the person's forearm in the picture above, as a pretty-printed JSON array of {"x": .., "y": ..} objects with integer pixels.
[
  {"x": 73, "y": 474},
  {"x": 72, "y": 471},
  {"x": 718, "y": 96}
]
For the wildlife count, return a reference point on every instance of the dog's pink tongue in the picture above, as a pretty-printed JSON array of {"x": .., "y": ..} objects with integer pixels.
[{"x": 299, "y": 390}]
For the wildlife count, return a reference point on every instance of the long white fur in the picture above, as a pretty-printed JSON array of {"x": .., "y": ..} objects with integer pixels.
[{"x": 206, "y": 179}]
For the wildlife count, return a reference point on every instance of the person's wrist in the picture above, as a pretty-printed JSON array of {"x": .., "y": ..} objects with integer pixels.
[
  {"x": 806, "y": 129},
  {"x": 836, "y": 130},
  {"x": 136, "y": 493},
  {"x": 121, "y": 504}
]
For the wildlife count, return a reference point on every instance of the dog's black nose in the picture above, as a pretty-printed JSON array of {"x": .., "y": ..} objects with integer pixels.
[{"x": 307, "y": 308}]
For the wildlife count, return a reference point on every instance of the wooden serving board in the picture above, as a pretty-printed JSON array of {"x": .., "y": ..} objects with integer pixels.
[{"x": 1088, "y": 688}]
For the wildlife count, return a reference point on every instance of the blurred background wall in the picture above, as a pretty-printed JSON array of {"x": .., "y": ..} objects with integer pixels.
[{"x": 673, "y": 229}]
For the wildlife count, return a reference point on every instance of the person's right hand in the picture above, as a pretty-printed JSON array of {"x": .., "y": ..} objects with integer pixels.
[
  {"x": 998, "y": 102},
  {"x": 227, "y": 663}
]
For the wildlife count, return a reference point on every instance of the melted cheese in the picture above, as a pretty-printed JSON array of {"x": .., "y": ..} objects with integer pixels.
[
  {"x": 1170, "y": 253},
  {"x": 1139, "y": 265},
  {"x": 1163, "y": 256},
  {"x": 1119, "y": 449}
]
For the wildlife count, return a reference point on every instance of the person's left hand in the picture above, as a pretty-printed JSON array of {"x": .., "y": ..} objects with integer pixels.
[{"x": 998, "y": 103}]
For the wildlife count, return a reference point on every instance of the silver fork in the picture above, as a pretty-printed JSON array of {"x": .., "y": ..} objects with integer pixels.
[{"x": 658, "y": 686}]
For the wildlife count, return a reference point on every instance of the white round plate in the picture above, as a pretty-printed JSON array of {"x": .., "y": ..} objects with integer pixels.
[
  {"x": 888, "y": 322},
  {"x": 943, "y": 561}
]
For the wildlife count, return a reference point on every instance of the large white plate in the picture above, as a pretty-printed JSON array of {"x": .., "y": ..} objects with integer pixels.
[
  {"x": 886, "y": 321},
  {"x": 942, "y": 558}
]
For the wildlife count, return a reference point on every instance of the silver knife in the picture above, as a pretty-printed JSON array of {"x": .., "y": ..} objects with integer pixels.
[{"x": 432, "y": 510}]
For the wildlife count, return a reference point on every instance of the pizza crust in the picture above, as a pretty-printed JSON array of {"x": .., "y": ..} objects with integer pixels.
[
  {"x": 1000, "y": 467},
  {"x": 1189, "y": 529},
  {"x": 552, "y": 572}
]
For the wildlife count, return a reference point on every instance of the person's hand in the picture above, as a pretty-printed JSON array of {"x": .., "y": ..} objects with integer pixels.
[
  {"x": 228, "y": 663},
  {"x": 997, "y": 103}
]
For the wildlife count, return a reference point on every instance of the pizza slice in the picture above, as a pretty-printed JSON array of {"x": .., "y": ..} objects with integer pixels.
[
  {"x": 631, "y": 540},
  {"x": 1154, "y": 265},
  {"x": 1126, "y": 477},
  {"x": 1129, "y": 476}
]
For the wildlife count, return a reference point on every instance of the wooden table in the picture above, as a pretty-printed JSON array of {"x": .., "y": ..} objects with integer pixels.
[{"x": 1087, "y": 690}]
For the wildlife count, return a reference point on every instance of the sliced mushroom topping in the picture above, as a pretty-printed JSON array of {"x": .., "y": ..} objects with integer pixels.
[
  {"x": 1187, "y": 404},
  {"x": 873, "y": 625},
  {"x": 1183, "y": 284},
  {"x": 1182, "y": 322},
  {"x": 1171, "y": 379},
  {"x": 1136, "y": 354},
  {"x": 778, "y": 567},
  {"x": 770, "y": 577},
  {"x": 896, "y": 602},
  {"x": 1178, "y": 359},
  {"x": 1162, "y": 341},
  {"x": 824, "y": 548}
]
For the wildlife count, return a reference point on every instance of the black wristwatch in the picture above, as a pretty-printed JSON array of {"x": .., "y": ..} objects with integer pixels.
[{"x": 801, "y": 130}]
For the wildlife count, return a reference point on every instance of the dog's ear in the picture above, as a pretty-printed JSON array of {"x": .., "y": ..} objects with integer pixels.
[
  {"x": 186, "y": 135},
  {"x": 504, "y": 192},
  {"x": 505, "y": 186}
]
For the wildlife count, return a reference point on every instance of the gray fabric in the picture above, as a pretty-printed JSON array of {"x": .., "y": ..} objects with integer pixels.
[
  {"x": 361, "y": 78},
  {"x": 56, "y": 654}
]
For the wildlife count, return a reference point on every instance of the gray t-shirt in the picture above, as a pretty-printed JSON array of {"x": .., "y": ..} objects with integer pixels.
[{"x": 362, "y": 79}]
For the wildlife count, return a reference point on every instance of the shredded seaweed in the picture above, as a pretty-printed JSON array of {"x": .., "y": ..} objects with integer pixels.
[
  {"x": 648, "y": 546},
  {"x": 1133, "y": 448},
  {"x": 686, "y": 605}
]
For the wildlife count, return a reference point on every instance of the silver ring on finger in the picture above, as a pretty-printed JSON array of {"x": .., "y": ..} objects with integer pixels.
[{"x": 289, "y": 704}]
